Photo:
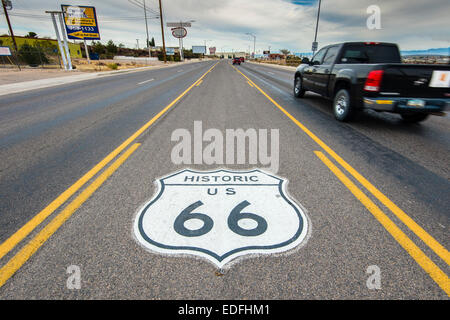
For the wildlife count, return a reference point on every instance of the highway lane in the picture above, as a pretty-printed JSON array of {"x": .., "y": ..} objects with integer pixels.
[
  {"x": 414, "y": 155},
  {"x": 427, "y": 144},
  {"x": 345, "y": 238},
  {"x": 50, "y": 137}
]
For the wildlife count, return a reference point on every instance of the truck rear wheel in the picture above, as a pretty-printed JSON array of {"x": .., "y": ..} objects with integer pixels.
[
  {"x": 299, "y": 92},
  {"x": 342, "y": 106},
  {"x": 413, "y": 118}
]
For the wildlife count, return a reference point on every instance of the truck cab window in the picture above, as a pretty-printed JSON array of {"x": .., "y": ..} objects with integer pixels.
[
  {"x": 330, "y": 57},
  {"x": 317, "y": 59}
]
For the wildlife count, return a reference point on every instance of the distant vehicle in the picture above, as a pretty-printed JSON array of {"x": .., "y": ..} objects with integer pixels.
[
  {"x": 237, "y": 61},
  {"x": 370, "y": 75},
  {"x": 242, "y": 59}
]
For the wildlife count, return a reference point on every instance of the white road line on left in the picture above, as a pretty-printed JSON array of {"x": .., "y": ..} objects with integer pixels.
[{"x": 146, "y": 81}]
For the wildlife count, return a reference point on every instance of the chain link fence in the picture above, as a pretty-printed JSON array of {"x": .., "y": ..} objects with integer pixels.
[{"x": 34, "y": 56}]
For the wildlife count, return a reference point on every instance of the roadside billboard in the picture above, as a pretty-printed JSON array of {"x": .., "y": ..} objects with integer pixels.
[
  {"x": 5, "y": 51},
  {"x": 81, "y": 22},
  {"x": 199, "y": 49},
  {"x": 170, "y": 51},
  {"x": 212, "y": 51}
]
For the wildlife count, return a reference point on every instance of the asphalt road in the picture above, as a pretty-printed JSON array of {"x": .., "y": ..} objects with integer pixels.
[{"x": 375, "y": 192}]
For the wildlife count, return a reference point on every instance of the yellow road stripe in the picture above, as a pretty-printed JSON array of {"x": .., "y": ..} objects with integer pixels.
[
  {"x": 250, "y": 84},
  {"x": 414, "y": 251},
  {"x": 199, "y": 83},
  {"x": 433, "y": 244},
  {"x": 25, "y": 230},
  {"x": 29, "y": 249}
]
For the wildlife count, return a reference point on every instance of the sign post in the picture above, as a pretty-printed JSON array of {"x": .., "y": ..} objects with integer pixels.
[
  {"x": 61, "y": 50},
  {"x": 81, "y": 24},
  {"x": 179, "y": 26},
  {"x": 179, "y": 33},
  {"x": 66, "y": 46},
  {"x": 87, "y": 51}
]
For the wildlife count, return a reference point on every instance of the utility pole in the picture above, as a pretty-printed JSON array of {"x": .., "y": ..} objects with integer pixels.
[
  {"x": 137, "y": 44},
  {"x": 146, "y": 28},
  {"x": 254, "y": 43},
  {"x": 162, "y": 31},
  {"x": 315, "y": 45},
  {"x": 9, "y": 25}
]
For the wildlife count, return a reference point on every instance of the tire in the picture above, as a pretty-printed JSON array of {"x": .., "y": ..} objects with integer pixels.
[
  {"x": 342, "y": 106},
  {"x": 414, "y": 118},
  {"x": 299, "y": 92}
]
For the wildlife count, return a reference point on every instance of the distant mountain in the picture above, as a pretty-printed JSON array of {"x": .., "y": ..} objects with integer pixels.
[{"x": 428, "y": 52}]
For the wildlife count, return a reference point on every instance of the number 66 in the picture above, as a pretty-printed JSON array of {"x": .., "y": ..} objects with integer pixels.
[{"x": 235, "y": 216}]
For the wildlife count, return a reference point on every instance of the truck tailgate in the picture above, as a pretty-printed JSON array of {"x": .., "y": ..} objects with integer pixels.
[{"x": 415, "y": 81}]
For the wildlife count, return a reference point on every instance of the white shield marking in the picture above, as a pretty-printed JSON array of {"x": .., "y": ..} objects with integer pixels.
[{"x": 221, "y": 215}]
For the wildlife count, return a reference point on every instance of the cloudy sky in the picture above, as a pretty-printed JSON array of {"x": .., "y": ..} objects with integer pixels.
[{"x": 280, "y": 24}]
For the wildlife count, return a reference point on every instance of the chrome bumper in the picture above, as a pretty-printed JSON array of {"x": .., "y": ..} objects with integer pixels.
[{"x": 401, "y": 104}]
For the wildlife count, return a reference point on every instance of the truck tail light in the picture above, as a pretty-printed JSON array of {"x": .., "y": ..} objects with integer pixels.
[{"x": 373, "y": 81}]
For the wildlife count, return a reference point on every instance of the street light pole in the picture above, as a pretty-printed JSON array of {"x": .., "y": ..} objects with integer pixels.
[
  {"x": 317, "y": 27},
  {"x": 206, "y": 51}
]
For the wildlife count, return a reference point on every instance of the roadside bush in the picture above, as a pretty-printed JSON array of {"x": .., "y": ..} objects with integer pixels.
[
  {"x": 175, "y": 57},
  {"x": 32, "y": 55},
  {"x": 113, "y": 66}
]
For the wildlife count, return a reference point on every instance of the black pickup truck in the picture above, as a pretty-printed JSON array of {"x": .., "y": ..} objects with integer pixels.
[{"x": 358, "y": 75}]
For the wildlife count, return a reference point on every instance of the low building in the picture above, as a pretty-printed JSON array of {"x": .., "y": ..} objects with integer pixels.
[{"x": 74, "y": 48}]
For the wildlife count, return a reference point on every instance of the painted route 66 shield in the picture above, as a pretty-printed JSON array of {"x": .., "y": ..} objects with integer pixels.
[{"x": 221, "y": 215}]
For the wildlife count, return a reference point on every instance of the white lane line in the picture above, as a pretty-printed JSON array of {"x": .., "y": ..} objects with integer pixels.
[
  {"x": 180, "y": 70},
  {"x": 146, "y": 81},
  {"x": 270, "y": 72}
]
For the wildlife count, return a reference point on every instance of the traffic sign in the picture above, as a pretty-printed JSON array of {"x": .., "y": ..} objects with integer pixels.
[
  {"x": 81, "y": 22},
  {"x": 221, "y": 215},
  {"x": 179, "y": 32},
  {"x": 315, "y": 45}
]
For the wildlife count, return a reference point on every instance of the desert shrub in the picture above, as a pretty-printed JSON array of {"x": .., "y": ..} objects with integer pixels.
[
  {"x": 113, "y": 66},
  {"x": 32, "y": 55}
]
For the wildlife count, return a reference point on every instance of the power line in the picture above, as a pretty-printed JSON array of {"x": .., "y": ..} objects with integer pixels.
[{"x": 140, "y": 4}]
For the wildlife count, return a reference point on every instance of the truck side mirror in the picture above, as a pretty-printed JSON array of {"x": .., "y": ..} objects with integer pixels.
[{"x": 305, "y": 61}]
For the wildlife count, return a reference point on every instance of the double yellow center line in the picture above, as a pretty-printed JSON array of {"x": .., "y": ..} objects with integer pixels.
[
  {"x": 429, "y": 266},
  {"x": 29, "y": 249}
]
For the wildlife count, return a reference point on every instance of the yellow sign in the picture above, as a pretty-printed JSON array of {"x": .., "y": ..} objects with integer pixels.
[
  {"x": 81, "y": 22},
  {"x": 77, "y": 16}
]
